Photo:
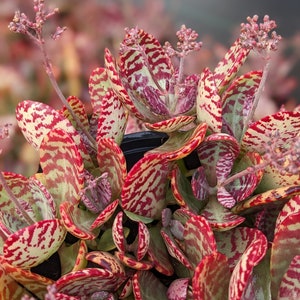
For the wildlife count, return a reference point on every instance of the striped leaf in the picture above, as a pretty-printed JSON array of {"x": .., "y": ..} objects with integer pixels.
[
  {"x": 230, "y": 65},
  {"x": 209, "y": 105},
  {"x": 148, "y": 286},
  {"x": 285, "y": 246},
  {"x": 198, "y": 239},
  {"x": 145, "y": 187},
  {"x": 284, "y": 123},
  {"x": 181, "y": 144},
  {"x": 238, "y": 101},
  {"x": 111, "y": 160},
  {"x": 34, "y": 244},
  {"x": 62, "y": 166},
  {"x": 211, "y": 277},
  {"x": 131, "y": 262}
]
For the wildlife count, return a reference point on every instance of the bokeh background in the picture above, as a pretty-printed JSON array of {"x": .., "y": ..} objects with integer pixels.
[{"x": 96, "y": 24}]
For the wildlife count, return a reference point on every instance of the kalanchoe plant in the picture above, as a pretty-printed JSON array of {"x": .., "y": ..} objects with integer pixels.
[{"x": 225, "y": 226}]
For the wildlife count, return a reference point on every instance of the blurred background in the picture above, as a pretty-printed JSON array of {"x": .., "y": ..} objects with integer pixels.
[{"x": 96, "y": 24}]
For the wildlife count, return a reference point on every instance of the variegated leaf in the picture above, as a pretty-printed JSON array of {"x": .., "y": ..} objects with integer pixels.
[
  {"x": 78, "y": 221},
  {"x": 105, "y": 215},
  {"x": 285, "y": 124},
  {"x": 148, "y": 286},
  {"x": 79, "y": 111},
  {"x": 220, "y": 218},
  {"x": 253, "y": 254},
  {"x": 117, "y": 85},
  {"x": 211, "y": 277},
  {"x": 213, "y": 148},
  {"x": 143, "y": 241},
  {"x": 131, "y": 262},
  {"x": 178, "y": 289},
  {"x": 184, "y": 193},
  {"x": 72, "y": 257},
  {"x": 244, "y": 186},
  {"x": 230, "y": 65},
  {"x": 238, "y": 101},
  {"x": 144, "y": 189},
  {"x": 234, "y": 243},
  {"x": 36, "y": 119},
  {"x": 86, "y": 282},
  {"x": 182, "y": 144},
  {"x": 99, "y": 86},
  {"x": 198, "y": 239},
  {"x": 34, "y": 244},
  {"x": 209, "y": 105},
  {"x": 111, "y": 160},
  {"x": 32, "y": 282},
  {"x": 112, "y": 119},
  {"x": 145, "y": 74},
  {"x": 118, "y": 233},
  {"x": 174, "y": 248},
  {"x": 285, "y": 246},
  {"x": 171, "y": 125},
  {"x": 158, "y": 252},
  {"x": 42, "y": 199},
  {"x": 276, "y": 196},
  {"x": 106, "y": 261},
  {"x": 290, "y": 283},
  {"x": 62, "y": 166}
]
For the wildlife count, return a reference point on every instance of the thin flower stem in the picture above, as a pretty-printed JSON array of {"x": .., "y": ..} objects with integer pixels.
[
  {"x": 15, "y": 200},
  {"x": 64, "y": 101}
]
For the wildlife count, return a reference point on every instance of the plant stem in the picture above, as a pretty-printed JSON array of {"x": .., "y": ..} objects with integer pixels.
[
  {"x": 64, "y": 101},
  {"x": 15, "y": 200}
]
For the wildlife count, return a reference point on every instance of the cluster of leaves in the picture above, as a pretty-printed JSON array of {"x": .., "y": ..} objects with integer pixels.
[{"x": 161, "y": 229}]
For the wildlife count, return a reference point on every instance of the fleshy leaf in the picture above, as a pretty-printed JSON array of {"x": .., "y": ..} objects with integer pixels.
[
  {"x": 238, "y": 101},
  {"x": 112, "y": 161},
  {"x": 118, "y": 233},
  {"x": 62, "y": 166},
  {"x": 199, "y": 239},
  {"x": 147, "y": 286},
  {"x": 243, "y": 270},
  {"x": 211, "y": 277},
  {"x": 171, "y": 125},
  {"x": 158, "y": 252},
  {"x": 209, "y": 106},
  {"x": 182, "y": 144},
  {"x": 285, "y": 247},
  {"x": 229, "y": 65},
  {"x": 112, "y": 118},
  {"x": 285, "y": 124},
  {"x": 271, "y": 197},
  {"x": 212, "y": 149},
  {"x": 234, "y": 243},
  {"x": 106, "y": 261},
  {"x": 178, "y": 289},
  {"x": 142, "y": 242},
  {"x": 105, "y": 214},
  {"x": 220, "y": 218},
  {"x": 32, "y": 282},
  {"x": 290, "y": 284},
  {"x": 34, "y": 244},
  {"x": 131, "y": 262},
  {"x": 78, "y": 221},
  {"x": 84, "y": 283},
  {"x": 145, "y": 187},
  {"x": 36, "y": 119}
]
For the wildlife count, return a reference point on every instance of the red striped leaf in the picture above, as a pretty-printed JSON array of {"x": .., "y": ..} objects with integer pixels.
[
  {"x": 209, "y": 106},
  {"x": 211, "y": 278},
  {"x": 62, "y": 166},
  {"x": 144, "y": 189},
  {"x": 198, "y": 239},
  {"x": 34, "y": 244}
]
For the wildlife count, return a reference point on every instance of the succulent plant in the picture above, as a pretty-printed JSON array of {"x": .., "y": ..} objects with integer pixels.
[{"x": 224, "y": 226}]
